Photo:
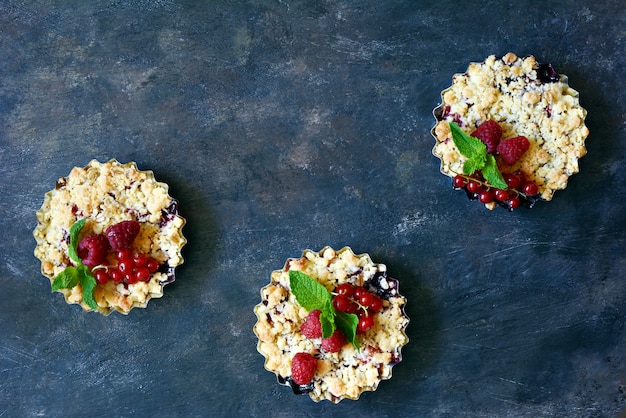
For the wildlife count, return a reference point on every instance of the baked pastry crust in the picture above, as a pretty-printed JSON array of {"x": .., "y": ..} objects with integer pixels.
[
  {"x": 525, "y": 98},
  {"x": 105, "y": 194},
  {"x": 350, "y": 372}
]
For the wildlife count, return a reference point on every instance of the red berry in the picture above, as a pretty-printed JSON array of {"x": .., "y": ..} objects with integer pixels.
[
  {"x": 303, "y": 368},
  {"x": 124, "y": 255},
  {"x": 365, "y": 324},
  {"x": 334, "y": 343},
  {"x": 130, "y": 277},
  {"x": 489, "y": 132},
  {"x": 365, "y": 299},
  {"x": 122, "y": 235},
  {"x": 501, "y": 195},
  {"x": 311, "y": 327},
  {"x": 474, "y": 187},
  {"x": 140, "y": 260},
  {"x": 512, "y": 181},
  {"x": 125, "y": 266},
  {"x": 142, "y": 274},
  {"x": 530, "y": 188},
  {"x": 513, "y": 202},
  {"x": 458, "y": 182},
  {"x": 376, "y": 305},
  {"x": 153, "y": 265},
  {"x": 342, "y": 303},
  {"x": 346, "y": 289},
  {"x": 116, "y": 275},
  {"x": 92, "y": 250},
  {"x": 358, "y": 291},
  {"x": 101, "y": 276},
  {"x": 511, "y": 149},
  {"x": 486, "y": 196}
]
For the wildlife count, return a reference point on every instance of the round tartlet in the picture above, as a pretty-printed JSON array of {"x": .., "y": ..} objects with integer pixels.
[
  {"x": 347, "y": 373},
  {"x": 525, "y": 98},
  {"x": 105, "y": 194}
]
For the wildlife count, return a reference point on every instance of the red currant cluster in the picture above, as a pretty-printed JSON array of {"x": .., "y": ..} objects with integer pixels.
[
  {"x": 359, "y": 301},
  {"x": 518, "y": 191},
  {"x": 132, "y": 267}
]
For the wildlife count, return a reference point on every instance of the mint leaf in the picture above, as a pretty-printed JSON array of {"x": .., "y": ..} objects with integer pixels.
[
  {"x": 327, "y": 319},
  {"x": 66, "y": 279},
  {"x": 492, "y": 174},
  {"x": 347, "y": 323},
  {"x": 73, "y": 276},
  {"x": 472, "y": 165},
  {"x": 470, "y": 147},
  {"x": 88, "y": 283},
  {"x": 74, "y": 233},
  {"x": 310, "y": 294}
]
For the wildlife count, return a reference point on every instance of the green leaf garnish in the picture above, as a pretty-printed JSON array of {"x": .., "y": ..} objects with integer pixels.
[
  {"x": 73, "y": 276},
  {"x": 74, "y": 233},
  {"x": 311, "y": 295},
  {"x": 477, "y": 157},
  {"x": 347, "y": 323},
  {"x": 492, "y": 174}
]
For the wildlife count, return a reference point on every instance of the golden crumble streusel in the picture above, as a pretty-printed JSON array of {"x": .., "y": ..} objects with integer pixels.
[
  {"x": 105, "y": 194},
  {"x": 523, "y": 97},
  {"x": 351, "y": 371}
]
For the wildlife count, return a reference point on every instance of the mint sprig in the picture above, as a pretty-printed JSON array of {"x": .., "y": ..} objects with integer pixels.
[
  {"x": 311, "y": 295},
  {"x": 79, "y": 274},
  {"x": 477, "y": 157}
]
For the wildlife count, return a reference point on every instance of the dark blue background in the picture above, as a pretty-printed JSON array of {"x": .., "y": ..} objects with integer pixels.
[{"x": 282, "y": 125}]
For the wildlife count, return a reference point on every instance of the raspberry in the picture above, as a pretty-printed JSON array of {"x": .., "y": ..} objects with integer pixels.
[
  {"x": 511, "y": 149},
  {"x": 489, "y": 132},
  {"x": 122, "y": 235},
  {"x": 303, "y": 368},
  {"x": 334, "y": 343},
  {"x": 312, "y": 328},
  {"x": 92, "y": 250}
]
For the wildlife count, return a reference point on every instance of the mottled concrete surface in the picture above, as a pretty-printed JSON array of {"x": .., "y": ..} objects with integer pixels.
[{"x": 285, "y": 125}]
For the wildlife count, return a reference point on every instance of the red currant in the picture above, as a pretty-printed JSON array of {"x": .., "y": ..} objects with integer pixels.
[
  {"x": 474, "y": 187},
  {"x": 530, "y": 188},
  {"x": 116, "y": 275},
  {"x": 342, "y": 303},
  {"x": 140, "y": 260},
  {"x": 358, "y": 291},
  {"x": 376, "y": 305},
  {"x": 513, "y": 202},
  {"x": 459, "y": 181},
  {"x": 366, "y": 299},
  {"x": 152, "y": 265},
  {"x": 345, "y": 289},
  {"x": 123, "y": 255},
  {"x": 125, "y": 266},
  {"x": 142, "y": 274},
  {"x": 512, "y": 180},
  {"x": 130, "y": 277},
  {"x": 365, "y": 324},
  {"x": 501, "y": 195},
  {"x": 101, "y": 276},
  {"x": 486, "y": 196}
]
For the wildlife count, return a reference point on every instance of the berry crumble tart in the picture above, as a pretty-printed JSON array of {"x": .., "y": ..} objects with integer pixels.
[
  {"x": 509, "y": 131},
  {"x": 331, "y": 324},
  {"x": 109, "y": 237}
]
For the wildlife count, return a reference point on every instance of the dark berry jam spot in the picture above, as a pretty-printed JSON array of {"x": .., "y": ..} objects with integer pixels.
[
  {"x": 297, "y": 389},
  {"x": 547, "y": 74}
]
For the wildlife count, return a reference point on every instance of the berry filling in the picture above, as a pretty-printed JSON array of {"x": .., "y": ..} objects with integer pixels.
[{"x": 129, "y": 266}]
